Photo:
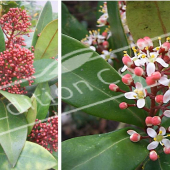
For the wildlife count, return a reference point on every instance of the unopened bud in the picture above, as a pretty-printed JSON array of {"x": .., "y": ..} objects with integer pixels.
[
  {"x": 127, "y": 79},
  {"x": 123, "y": 105},
  {"x": 113, "y": 87},
  {"x": 135, "y": 137},
  {"x": 150, "y": 81},
  {"x": 148, "y": 121},
  {"x": 156, "y": 120},
  {"x": 153, "y": 155},
  {"x": 105, "y": 44},
  {"x": 159, "y": 98},
  {"x": 138, "y": 71},
  {"x": 166, "y": 150},
  {"x": 156, "y": 75}
]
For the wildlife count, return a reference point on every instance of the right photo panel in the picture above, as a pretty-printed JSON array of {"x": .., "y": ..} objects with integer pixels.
[{"x": 115, "y": 85}]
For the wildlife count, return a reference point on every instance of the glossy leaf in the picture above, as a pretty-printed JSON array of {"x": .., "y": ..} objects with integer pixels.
[
  {"x": 44, "y": 19},
  {"x": 2, "y": 41},
  {"x": 33, "y": 157},
  {"x": 21, "y": 102},
  {"x": 71, "y": 26},
  {"x": 87, "y": 86},
  {"x": 119, "y": 39},
  {"x": 42, "y": 94},
  {"x": 105, "y": 151},
  {"x": 161, "y": 164},
  {"x": 13, "y": 132},
  {"x": 31, "y": 114},
  {"x": 148, "y": 18},
  {"x": 47, "y": 44},
  {"x": 45, "y": 70}
]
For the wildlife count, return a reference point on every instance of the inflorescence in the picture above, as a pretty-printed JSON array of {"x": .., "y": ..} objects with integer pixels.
[
  {"x": 16, "y": 62},
  {"x": 152, "y": 65},
  {"x": 46, "y": 134}
]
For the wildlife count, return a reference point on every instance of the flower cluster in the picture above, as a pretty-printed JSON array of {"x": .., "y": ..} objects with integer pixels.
[
  {"x": 46, "y": 134},
  {"x": 15, "y": 24},
  {"x": 16, "y": 62},
  {"x": 152, "y": 65}
]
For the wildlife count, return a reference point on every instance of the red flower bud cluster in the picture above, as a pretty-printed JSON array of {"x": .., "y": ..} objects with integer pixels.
[
  {"x": 16, "y": 63},
  {"x": 46, "y": 134},
  {"x": 14, "y": 24}
]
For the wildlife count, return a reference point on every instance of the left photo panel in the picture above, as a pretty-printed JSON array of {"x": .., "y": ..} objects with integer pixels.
[{"x": 28, "y": 85}]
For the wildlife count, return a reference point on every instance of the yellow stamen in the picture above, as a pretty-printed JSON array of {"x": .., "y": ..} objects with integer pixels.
[
  {"x": 152, "y": 56},
  {"x": 143, "y": 56},
  {"x": 146, "y": 48},
  {"x": 125, "y": 52},
  {"x": 157, "y": 48},
  {"x": 159, "y": 38}
]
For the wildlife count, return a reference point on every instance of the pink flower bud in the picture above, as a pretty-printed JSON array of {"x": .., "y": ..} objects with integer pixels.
[
  {"x": 127, "y": 79},
  {"x": 135, "y": 137},
  {"x": 148, "y": 42},
  {"x": 104, "y": 34},
  {"x": 159, "y": 98},
  {"x": 105, "y": 44},
  {"x": 153, "y": 155},
  {"x": 156, "y": 120},
  {"x": 138, "y": 71},
  {"x": 141, "y": 44},
  {"x": 123, "y": 105},
  {"x": 113, "y": 87},
  {"x": 166, "y": 150},
  {"x": 166, "y": 46},
  {"x": 148, "y": 121},
  {"x": 150, "y": 81},
  {"x": 127, "y": 61},
  {"x": 156, "y": 75}
]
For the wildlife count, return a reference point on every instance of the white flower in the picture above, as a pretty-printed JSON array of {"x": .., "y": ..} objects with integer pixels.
[
  {"x": 150, "y": 60},
  {"x": 102, "y": 21},
  {"x": 108, "y": 55},
  {"x": 139, "y": 93},
  {"x": 158, "y": 138},
  {"x": 166, "y": 82}
]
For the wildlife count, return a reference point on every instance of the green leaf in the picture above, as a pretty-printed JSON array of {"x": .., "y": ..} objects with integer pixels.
[
  {"x": 119, "y": 39},
  {"x": 161, "y": 164},
  {"x": 86, "y": 85},
  {"x": 2, "y": 41},
  {"x": 21, "y": 102},
  {"x": 47, "y": 44},
  {"x": 42, "y": 93},
  {"x": 55, "y": 154},
  {"x": 44, "y": 19},
  {"x": 31, "y": 114},
  {"x": 33, "y": 157},
  {"x": 13, "y": 132},
  {"x": 45, "y": 70},
  {"x": 105, "y": 151},
  {"x": 148, "y": 18},
  {"x": 71, "y": 26}
]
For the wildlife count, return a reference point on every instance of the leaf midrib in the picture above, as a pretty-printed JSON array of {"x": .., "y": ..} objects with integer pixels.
[{"x": 84, "y": 162}]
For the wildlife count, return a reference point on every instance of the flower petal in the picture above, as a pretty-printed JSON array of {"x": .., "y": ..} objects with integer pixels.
[
  {"x": 164, "y": 81},
  {"x": 167, "y": 113},
  {"x": 166, "y": 142},
  {"x": 93, "y": 48},
  {"x": 130, "y": 95},
  {"x": 150, "y": 69},
  {"x": 152, "y": 145},
  {"x": 138, "y": 86},
  {"x": 162, "y": 62},
  {"x": 124, "y": 68},
  {"x": 151, "y": 132},
  {"x": 163, "y": 130},
  {"x": 141, "y": 103},
  {"x": 166, "y": 97},
  {"x": 131, "y": 132}
]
